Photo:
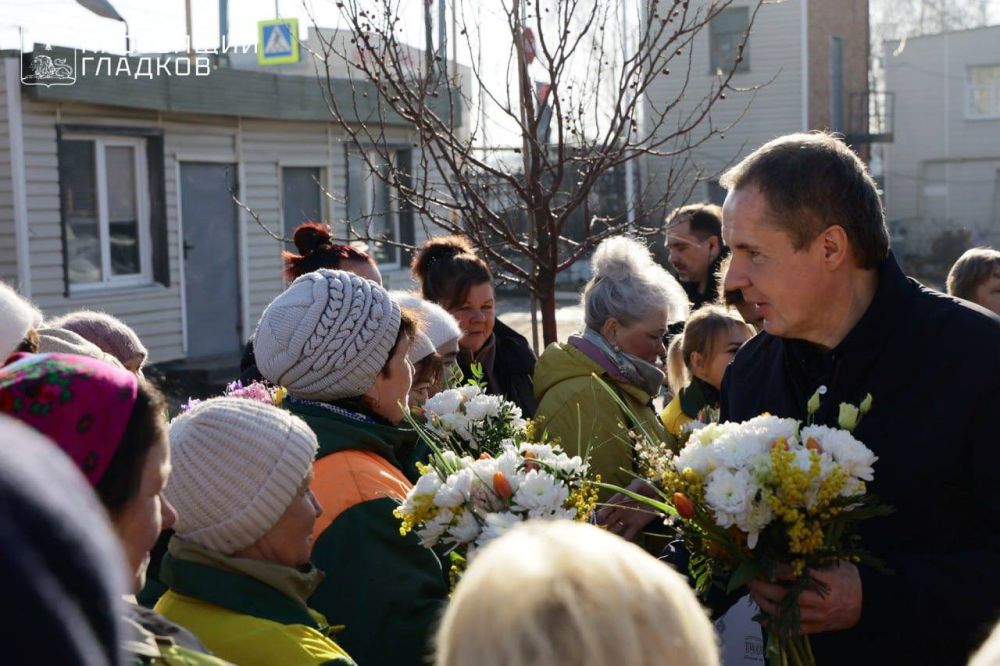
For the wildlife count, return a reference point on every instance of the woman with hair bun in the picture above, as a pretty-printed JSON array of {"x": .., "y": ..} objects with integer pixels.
[
  {"x": 452, "y": 275},
  {"x": 627, "y": 305},
  {"x": 316, "y": 250}
]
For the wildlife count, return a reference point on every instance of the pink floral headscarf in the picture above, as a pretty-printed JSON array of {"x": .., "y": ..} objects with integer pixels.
[{"x": 81, "y": 404}]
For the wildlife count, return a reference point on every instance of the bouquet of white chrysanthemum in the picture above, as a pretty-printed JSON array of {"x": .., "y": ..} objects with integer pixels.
[
  {"x": 461, "y": 503},
  {"x": 469, "y": 419},
  {"x": 749, "y": 497}
]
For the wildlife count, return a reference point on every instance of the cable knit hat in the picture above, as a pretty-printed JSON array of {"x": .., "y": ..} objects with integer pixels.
[
  {"x": 327, "y": 336},
  {"x": 17, "y": 317},
  {"x": 237, "y": 466},
  {"x": 438, "y": 324},
  {"x": 108, "y": 332}
]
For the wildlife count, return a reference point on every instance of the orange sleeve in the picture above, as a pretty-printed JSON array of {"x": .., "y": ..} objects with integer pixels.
[{"x": 347, "y": 478}]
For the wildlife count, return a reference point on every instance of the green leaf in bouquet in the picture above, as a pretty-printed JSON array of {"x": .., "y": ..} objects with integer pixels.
[
  {"x": 741, "y": 576},
  {"x": 642, "y": 499},
  {"x": 632, "y": 417}
]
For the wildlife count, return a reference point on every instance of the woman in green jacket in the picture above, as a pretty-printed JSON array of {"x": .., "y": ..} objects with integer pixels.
[
  {"x": 238, "y": 568},
  {"x": 627, "y": 304},
  {"x": 338, "y": 344}
]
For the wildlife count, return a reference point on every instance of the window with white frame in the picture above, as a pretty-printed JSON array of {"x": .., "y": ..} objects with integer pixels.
[
  {"x": 983, "y": 92},
  {"x": 372, "y": 208},
  {"x": 105, "y": 206}
]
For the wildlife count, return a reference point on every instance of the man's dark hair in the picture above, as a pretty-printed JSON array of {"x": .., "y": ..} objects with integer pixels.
[
  {"x": 705, "y": 220},
  {"x": 812, "y": 182}
]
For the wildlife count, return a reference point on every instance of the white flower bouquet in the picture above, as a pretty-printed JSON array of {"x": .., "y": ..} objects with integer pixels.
[
  {"x": 469, "y": 419},
  {"x": 485, "y": 474},
  {"x": 747, "y": 498}
]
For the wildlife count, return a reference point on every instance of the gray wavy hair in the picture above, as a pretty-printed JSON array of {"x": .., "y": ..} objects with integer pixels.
[{"x": 629, "y": 285}]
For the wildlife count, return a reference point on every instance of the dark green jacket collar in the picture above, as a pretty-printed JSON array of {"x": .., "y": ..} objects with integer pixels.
[
  {"x": 239, "y": 585},
  {"x": 339, "y": 429},
  {"x": 696, "y": 396}
]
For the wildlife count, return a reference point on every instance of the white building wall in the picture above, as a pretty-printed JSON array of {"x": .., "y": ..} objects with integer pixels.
[
  {"x": 942, "y": 171},
  {"x": 771, "y": 96},
  {"x": 8, "y": 243}
]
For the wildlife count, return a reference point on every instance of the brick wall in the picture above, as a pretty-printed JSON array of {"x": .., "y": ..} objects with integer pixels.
[{"x": 848, "y": 20}]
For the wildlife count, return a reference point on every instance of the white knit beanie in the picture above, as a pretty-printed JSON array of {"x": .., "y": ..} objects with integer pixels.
[
  {"x": 17, "y": 317},
  {"x": 237, "y": 466},
  {"x": 439, "y": 325},
  {"x": 420, "y": 348},
  {"x": 327, "y": 336}
]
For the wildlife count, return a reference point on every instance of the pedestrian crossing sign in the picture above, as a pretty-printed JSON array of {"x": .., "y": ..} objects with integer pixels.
[{"x": 278, "y": 42}]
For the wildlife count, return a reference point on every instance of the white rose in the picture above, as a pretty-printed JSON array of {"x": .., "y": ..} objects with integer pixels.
[
  {"x": 540, "y": 494},
  {"x": 845, "y": 450},
  {"x": 445, "y": 402},
  {"x": 465, "y": 529},
  {"x": 497, "y": 524},
  {"x": 427, "y": 485},
  {"x": 455, "y": 491},
  {"x": 468, "y": 392},
  {"x": 727, "y": 491},
  {"x": 481, "y": 407}
]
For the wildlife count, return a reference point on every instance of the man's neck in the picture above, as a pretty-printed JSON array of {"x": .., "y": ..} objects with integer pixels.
[{"x": 846, "y": 309}]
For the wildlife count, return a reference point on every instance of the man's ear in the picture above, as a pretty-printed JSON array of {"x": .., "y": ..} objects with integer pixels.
[
  {"x": 714, "y": 246},
  {"x": 835, "y": 245}
]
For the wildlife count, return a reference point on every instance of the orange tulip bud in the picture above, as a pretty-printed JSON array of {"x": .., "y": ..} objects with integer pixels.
[
  {"x": 502, "y": 485},
  {"x": 780, "y": 442},
  {"x": 484, "y": 456},
  {"x": 684, "y": 506},
  {"x": 531, "y": 464},
  {"x": 813, "y": 445}
]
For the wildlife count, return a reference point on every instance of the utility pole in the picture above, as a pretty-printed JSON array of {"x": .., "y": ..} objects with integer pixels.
[
  {"x": 443, "y": 37},
  {"x": 630, "y": 165}
]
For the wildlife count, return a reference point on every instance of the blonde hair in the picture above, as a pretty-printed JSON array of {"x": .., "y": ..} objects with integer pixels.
[
  {"x": 701, "y": 332},
  {"x": 973, "y": 268},
  {"x": 563, "y": 592},
  {"x": 989, "y": 653}
]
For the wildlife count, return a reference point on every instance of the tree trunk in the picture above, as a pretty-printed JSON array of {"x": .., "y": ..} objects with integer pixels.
[{"x": 547, "y": 301}]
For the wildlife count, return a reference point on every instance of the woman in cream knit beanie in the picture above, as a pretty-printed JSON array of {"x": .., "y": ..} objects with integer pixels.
[
  {"x": 339, "y": 344},
  {"x": 238, "y": 567}
]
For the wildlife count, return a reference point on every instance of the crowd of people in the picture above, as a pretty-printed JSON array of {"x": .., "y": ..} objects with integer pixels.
[{"x": 259, "y": 532}]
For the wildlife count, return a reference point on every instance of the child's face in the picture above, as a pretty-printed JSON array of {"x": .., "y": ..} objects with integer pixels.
[{"x": 710, "y": 370}]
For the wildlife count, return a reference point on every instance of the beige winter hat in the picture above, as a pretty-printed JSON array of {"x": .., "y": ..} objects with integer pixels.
[{"x": 237, "y": 466}]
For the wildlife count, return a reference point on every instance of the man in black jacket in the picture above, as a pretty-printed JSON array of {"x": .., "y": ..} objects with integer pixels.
[
  {"x": 810, "y": 251},
  {"x": 694, "y": 240}
]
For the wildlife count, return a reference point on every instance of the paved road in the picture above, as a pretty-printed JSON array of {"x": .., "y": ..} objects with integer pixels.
[{"x": 516, "y": 313}]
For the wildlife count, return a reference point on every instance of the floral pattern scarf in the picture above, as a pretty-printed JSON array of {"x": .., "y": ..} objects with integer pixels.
[{"x": 83, "y": 405}]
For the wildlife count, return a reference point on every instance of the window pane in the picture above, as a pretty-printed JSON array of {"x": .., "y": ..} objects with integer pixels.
[
  {"x": 726, "y": 31},
  {"x": 79, "y": 198},
  {"x": 370, "y": 205},
  {"x": 123, "y": 217},
  {"x": 981, "y": 102},
  {"x": 987, "y": 75},
  {"x": 301, "y": 197},
  {"x": 383, "y": 216}
]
